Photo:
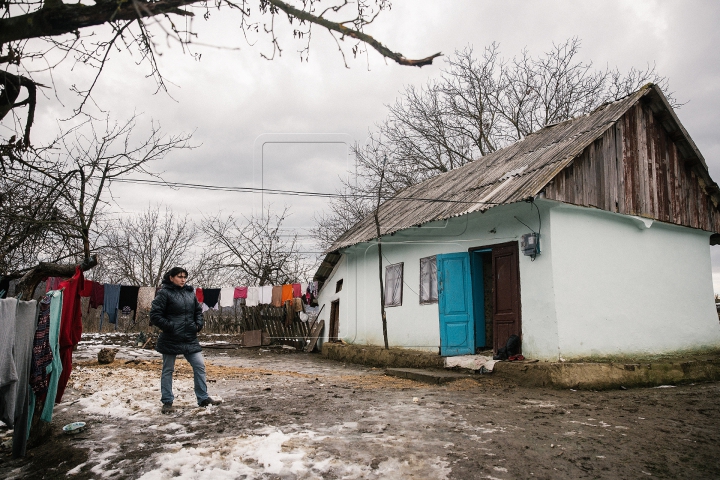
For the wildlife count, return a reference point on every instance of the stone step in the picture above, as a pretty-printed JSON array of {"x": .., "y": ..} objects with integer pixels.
[{"x": 427, "y": 375}]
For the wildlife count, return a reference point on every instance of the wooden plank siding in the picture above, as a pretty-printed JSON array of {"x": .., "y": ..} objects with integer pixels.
[{"x": 636, "y": 168}]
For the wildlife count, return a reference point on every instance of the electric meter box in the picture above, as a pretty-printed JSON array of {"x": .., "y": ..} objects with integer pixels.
[{"x": 530, "y": 244}]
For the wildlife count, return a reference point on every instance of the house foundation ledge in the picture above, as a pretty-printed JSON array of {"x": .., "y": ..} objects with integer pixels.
[{"x": 605, "y": 375}]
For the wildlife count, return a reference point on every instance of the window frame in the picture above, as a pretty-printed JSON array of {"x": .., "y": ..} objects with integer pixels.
[
  {"x": 430, "y": 300},
  {"x": 398, "y": 281}
]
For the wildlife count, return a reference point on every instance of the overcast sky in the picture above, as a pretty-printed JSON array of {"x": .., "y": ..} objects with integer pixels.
[{"x": 241, "y": 107}]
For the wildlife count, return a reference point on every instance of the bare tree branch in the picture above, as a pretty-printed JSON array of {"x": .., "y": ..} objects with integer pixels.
[
  {"x": 256, "y": 249},
  {"x": 479, "y": 105}
]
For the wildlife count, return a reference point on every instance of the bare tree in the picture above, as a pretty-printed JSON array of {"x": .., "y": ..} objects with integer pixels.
[
  {"x": 32, "y": 226},
  {"x": 478, "y": 105},
  {"x": 256, "y": 248},
  {"x": 372, "y": 182},
  {"x": 140, "y": 249},
  {"x": 76, "y": 172},
  {"x": 482, "y": 104},
  {"x": 52, "y": 31}
]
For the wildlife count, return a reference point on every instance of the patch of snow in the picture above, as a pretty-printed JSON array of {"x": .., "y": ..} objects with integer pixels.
[
  {"x": 127, "y": 393},
  {"x": 276, "y": 453},
  {"x": 77, "y": 469}
]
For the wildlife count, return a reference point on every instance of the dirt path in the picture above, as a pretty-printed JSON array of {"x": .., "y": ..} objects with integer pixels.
[{"x": 291, "y": 415}]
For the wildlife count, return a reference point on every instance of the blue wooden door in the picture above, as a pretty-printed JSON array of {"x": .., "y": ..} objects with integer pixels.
[{"x": 457, "y": 332}]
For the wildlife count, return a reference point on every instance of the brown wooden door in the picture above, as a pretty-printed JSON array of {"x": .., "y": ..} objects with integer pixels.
[
  {"x": 334, "y": 321},
  {"x": 506, "y": 295}
]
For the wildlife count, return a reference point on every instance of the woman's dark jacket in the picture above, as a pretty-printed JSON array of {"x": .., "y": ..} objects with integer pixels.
[{"x": 178, "y": 314}]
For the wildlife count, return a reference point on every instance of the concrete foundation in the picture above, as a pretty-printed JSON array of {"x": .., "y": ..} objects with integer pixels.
[{"x": 585, "y": 376}]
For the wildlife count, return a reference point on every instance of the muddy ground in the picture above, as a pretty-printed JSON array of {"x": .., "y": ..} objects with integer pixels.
[{"x": 294, "y": 415}]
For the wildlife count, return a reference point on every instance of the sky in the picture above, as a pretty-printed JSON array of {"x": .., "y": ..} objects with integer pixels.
[{"x": 288, "y": 123}]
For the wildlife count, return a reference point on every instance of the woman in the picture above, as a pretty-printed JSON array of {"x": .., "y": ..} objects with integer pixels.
[{"x": 178, "y": 314}]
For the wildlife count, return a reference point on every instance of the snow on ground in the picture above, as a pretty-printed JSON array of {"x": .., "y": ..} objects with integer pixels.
[
  {"x": 122, "y": 402},
  {"x": 91, "y": 344},
  {"x": 271, "y": 451},
  {"x": 125, "y": 392}
]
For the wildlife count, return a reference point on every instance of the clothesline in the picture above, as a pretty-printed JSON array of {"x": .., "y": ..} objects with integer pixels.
[{"x": 113, "y": 298}]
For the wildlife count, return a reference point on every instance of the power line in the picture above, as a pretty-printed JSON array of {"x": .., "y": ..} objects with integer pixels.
[{"x": 274, "y": 191}]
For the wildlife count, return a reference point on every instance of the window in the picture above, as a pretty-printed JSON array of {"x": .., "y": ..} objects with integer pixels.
[
  {"x": 393, "y": 285},
  {"x": 338, "y": 285},
  {"x": 428, "y": 280}
]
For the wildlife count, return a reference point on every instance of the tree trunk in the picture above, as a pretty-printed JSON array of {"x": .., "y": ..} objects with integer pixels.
[
  {"x": 382, "y": 296},
  {"x": 29, "y": 282}
]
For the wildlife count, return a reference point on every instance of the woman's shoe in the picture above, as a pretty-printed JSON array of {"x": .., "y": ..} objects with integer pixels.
[{"x": 210, "y": 401}]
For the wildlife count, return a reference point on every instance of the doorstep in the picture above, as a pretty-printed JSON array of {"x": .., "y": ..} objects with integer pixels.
[{"x": 427, "y": 375}]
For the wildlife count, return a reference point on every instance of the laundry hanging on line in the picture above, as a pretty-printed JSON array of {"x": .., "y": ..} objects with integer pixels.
[
  {"x": 110, "y": 303},
  {"x": 211, "y": 297},
  {"x": 227, "y": 297},
  {"x": 241, "y": 292},
  {"x": 97, "y": 295},
  {"x": 70, "y": 326},
  {"x": 145, "y": 297},
  {"x": 253, "y": 296}
]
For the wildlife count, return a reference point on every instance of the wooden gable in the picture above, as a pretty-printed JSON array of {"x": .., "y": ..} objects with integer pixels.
[{"x": 644, "y": 165}]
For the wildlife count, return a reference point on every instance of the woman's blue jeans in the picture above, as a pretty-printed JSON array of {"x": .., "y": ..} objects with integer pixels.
[{"x": 198, "y": 365}]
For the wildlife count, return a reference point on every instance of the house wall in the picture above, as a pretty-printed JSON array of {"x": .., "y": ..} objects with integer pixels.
[
  {"x": 413, "y": 325},
  {"x": 625, "y": 285},
  {"x": 605, "y": 284}
]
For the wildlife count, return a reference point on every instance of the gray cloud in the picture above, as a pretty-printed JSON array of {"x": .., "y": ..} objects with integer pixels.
[{"x": 229, "y": 98}]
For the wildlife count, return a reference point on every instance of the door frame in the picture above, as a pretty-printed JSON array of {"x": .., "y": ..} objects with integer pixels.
[
  {"x": 334, "y": 330},
  {"x": 491, "y": 248},
  {"x": 478, "y": 296}
]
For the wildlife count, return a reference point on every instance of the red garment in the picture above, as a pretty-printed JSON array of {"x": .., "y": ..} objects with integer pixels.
[
  {"x": 240, "y": 292},
  {"x": 287, "y": 293},
  {"x": 70, "y": 324},
  {"x": 199, "y": 295},
  {"x": 297, "y": 290},
  {"x": 97, "y": 296}
]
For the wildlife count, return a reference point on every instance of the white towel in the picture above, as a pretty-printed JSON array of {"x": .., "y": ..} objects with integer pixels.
[
  {"x": 266, "y": 295},
  {"x": 253, "y": 297},
  {"x": 227, "y": 297}
]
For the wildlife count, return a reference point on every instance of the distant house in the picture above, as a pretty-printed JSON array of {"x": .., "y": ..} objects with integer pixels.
[{"x": 625, "y": 211}]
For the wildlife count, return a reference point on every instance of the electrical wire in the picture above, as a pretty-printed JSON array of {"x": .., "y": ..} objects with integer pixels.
[{"x": 274, "y": 191}]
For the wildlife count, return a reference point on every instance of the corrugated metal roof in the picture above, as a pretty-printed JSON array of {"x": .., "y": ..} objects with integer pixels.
[{"x": 506, "y": 176}]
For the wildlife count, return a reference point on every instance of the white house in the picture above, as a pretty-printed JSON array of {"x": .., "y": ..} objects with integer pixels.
[{"x": 625, "y": 213}]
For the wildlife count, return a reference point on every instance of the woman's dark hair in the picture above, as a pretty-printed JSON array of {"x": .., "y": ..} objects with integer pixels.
[{"x": 174, "y": 272}]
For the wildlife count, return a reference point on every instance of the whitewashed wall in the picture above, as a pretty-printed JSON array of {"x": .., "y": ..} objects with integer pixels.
[
  {"x": 413, "y": 325},
  {"x": 604, "y": 284},
  {"x": 626, "y": 285}
]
